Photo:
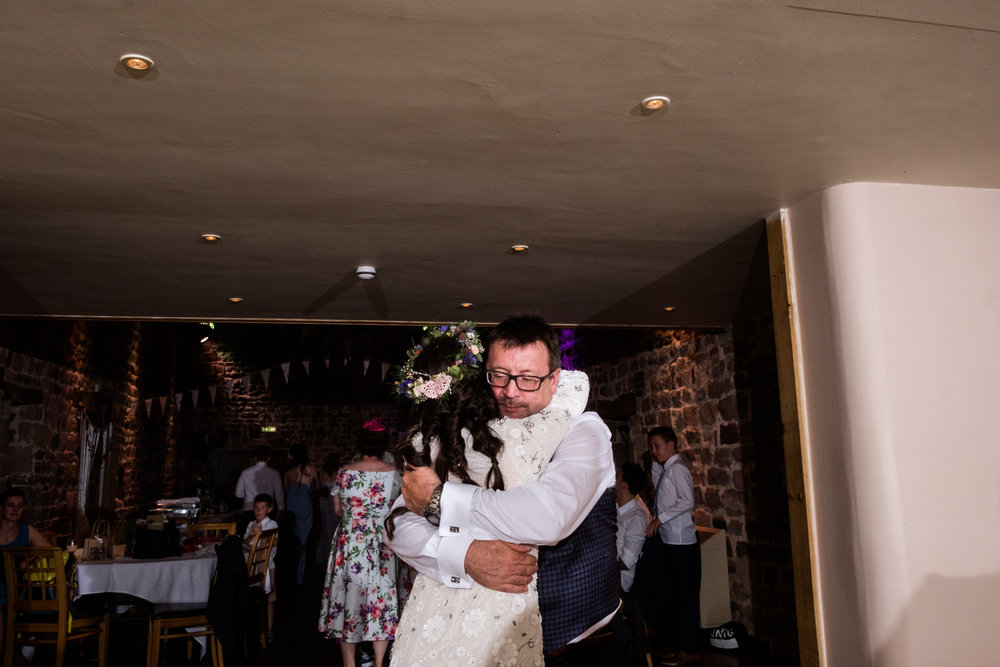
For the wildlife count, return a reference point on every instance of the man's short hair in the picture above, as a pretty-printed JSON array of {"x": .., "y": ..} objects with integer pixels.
[
  {"x": 634, "y": 477},
  {"x": 264, "y": 498},
  {"x": 262, "y": 453},
  {"x": 523, "y": 330},
  {"x": 664, "y": 432}
]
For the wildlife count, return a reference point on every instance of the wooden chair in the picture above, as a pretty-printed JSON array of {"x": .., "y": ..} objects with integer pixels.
[
  {"x": 180, "y": 621},
  {"x": 38, "y": 609},
  {"x": 257, "y": 562},
  {"x": 50, "y": 536},
  {"x": 218, "y": 531}
]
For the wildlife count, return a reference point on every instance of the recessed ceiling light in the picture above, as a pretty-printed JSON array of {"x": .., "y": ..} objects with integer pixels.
[
  {"x": 235, "y": 299},
  {"x": 656, "y": 102},
  {"x": 518, "y": 247},
  {"x": 669, "y": 308},
  {"x": 211, "y": 238},
  {"x": 465, "y": 304},
  {"x": 137, "y": 62}
]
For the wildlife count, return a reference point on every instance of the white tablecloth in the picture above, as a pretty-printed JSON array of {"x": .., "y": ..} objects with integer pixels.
[{"x": 184, "y": 578}]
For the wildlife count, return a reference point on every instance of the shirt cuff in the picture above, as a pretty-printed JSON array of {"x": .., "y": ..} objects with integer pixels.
[
  {"x": 456, "y": 511},
  {"x": 451, "y": 562}
]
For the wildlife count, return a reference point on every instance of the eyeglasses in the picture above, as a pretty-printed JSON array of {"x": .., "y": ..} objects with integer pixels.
[{"x": 522, "y": 382}]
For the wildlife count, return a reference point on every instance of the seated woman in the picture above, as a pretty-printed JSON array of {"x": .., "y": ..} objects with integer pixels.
[{"x": 14, "y": 533}]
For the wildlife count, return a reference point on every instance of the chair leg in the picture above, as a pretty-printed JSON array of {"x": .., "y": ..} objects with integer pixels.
[
  {"x": 102, "y": 641},
  {"x": 153, "y": 646}
]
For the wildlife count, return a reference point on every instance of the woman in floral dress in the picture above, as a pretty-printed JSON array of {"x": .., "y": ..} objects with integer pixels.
[{"x": 359, "y": 596}]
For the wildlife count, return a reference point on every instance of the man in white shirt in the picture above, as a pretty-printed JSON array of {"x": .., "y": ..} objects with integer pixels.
[
  {"x": 675, "y": 614},
  {"x": 570, "y": 500},
  {"x": 260, "y": 478},
  {"x": 633, "y": 519}
]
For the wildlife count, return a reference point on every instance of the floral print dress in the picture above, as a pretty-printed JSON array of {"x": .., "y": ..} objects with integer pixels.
[
  {"x": 359, "y": 594},
  {"x": 479, "y": 627}
]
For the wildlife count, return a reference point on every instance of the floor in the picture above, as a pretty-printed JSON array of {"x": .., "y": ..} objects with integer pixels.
[{"x": 297, "y": 642}]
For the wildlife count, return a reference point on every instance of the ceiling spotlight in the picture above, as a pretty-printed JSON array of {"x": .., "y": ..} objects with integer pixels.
[
  {"x": 137, "y": 62},
  {"x": 235, "y": 299},
  {"x": 518, "y": 247},
  {"x": 465, "y": 304},
  {"x": 655, "y": 102},
  {"x": 365, "y": 272},
  {"x": 669, "y": 308},
  {"x": 205, "y": 339},
  {"x": 211, "y": 238}
]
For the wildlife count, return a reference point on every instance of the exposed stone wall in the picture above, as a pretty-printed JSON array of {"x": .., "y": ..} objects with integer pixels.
[
  {"x": 39, "y": 436},
  {"x": 686, "y": 382}
]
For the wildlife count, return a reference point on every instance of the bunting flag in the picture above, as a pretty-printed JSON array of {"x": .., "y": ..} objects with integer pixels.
[
  {"x": 284, "y": 370},
  {"x": 163, "y": 405},
  {"x": 246, "y": 383},
  {"x": 305, "y": 365},
  {"x": 327, "y": 362},
  {"x": 179, "y": 398},
  {"x": 211, "y": 392},
  {"x": 194, "y": 396},
  {"x": 347, "y": 360},
  {"x": 149, "y": 407},
  {"x": 264, "y": 375},
  {"x": 366, "y": 364},
  {"x": 229, "y": 387},
  {"x": 385, "y": 370}
]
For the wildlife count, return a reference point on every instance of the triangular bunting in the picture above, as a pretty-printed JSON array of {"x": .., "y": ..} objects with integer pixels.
[
  {"x": 264, "y": 375},
  {"x": 366, "y": 364},
  {"x": 385, "y": 370},
  {"x": 178, "y": 398},
  {"x": 211, "y": 392},
  {"x": 229, "y": 388},
  {"x": 305, "y": 365},
  {"x": 149, "y": 407},
  {"x": 163, "y": 405},
  {"x": 327, "y": 362},
  {"x": 284, "y": 370},
  {"x": 246, "y": 383},
  {"x": 194, "y": 396}
]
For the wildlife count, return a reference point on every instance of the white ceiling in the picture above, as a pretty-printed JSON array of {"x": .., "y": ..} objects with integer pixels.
[{"x": 425, "y": 138}]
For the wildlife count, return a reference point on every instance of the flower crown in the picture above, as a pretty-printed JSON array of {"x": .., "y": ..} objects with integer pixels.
[{"x": 418, "y": 386}]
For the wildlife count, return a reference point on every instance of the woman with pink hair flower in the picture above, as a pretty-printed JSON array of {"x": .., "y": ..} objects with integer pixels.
[{"x": 359, "y": 601}]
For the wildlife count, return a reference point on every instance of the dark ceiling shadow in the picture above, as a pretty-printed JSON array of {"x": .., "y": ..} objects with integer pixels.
[
  {"x": 706, "y": 290},
  {"x": 373, "y": 290},
  {"x": 15, "y": 300}
]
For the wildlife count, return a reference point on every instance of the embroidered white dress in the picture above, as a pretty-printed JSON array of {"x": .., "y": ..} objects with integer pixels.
[{"x": 478, "y": 626}]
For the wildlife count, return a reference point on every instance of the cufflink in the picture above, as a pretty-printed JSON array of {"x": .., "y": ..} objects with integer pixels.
[
  {"x": 456, "y": 580},
  {"x": 454, "y": 529}
]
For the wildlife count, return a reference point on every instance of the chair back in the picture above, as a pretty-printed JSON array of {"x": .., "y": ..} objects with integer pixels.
[
  {"x": 212, "y": 531},
  {"x": 50, "y": 536},
  {"x": 36, "y": 581},
  {"x": 260, "y": 555}
]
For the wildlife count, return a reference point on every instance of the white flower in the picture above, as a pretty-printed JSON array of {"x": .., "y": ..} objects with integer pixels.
[
  {"x": 474, "y": 623},
  {"x": 518, "y": 604},
  {"x": 432, "y": 654},
  {"x": 434, "y": 628},
  {"x": 535, "y": 619},
  {"x": 505, "y": 653},
  {"x": 460, "y": 650}
]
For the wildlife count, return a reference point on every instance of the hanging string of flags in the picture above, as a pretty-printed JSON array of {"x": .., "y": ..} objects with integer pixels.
[{"x": 246, "y": 381}]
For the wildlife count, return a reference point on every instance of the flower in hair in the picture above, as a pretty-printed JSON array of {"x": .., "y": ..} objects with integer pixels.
[
  {"x": 419, "y": 386},
  {"x": 373, "y": 425}
]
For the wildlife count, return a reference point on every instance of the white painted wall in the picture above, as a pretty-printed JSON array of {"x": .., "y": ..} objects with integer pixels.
[{"x": 896, "y": 303}]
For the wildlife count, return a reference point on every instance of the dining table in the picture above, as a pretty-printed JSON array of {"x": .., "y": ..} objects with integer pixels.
[{"x": 184, "y": 578}]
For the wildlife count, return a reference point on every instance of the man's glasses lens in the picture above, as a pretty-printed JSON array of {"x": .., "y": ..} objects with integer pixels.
[{"x": 523, "y": 382}]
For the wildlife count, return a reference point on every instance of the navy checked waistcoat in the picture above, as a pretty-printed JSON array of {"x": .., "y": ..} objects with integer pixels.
[{"x": 578, "y": 578}]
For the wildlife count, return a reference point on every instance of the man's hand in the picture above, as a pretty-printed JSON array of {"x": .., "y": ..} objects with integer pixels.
[
  {"x": 502, "y": 566},
  {"x": 654, "y": 526},
  {"x": 418, "y": 485}
]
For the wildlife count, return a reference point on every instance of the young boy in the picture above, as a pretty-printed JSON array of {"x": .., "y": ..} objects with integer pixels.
[{"x": 262, "y": 504}]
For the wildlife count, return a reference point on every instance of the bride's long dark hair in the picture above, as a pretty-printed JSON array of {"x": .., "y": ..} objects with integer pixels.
[{"x": 470, "y": 404}]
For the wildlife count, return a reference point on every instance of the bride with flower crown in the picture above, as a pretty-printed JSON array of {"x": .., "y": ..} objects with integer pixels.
[{"x": 470, "y": 443}]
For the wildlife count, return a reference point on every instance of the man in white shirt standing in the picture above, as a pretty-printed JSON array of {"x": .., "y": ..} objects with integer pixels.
[
  {"x": 675, "y": 614},
  {"x": 569, "y": 510},
  {"x": 633, "y": 519},
  {"x": 257, "y": 479}
]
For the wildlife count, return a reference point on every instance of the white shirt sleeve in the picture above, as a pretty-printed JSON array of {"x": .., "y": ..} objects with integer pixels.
[
  {"x": 544, "y": 511},
  {"x": 418, "y": 543},
  {"x": 676, "y": 495},
  {"x": 633, "y": 536}
]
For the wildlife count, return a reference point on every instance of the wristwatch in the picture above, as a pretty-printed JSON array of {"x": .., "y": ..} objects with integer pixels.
[{"x": 432, "y": 510}]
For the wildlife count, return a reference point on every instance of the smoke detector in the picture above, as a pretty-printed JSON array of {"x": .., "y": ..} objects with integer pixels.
[{"x": 365, "y": 272}]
